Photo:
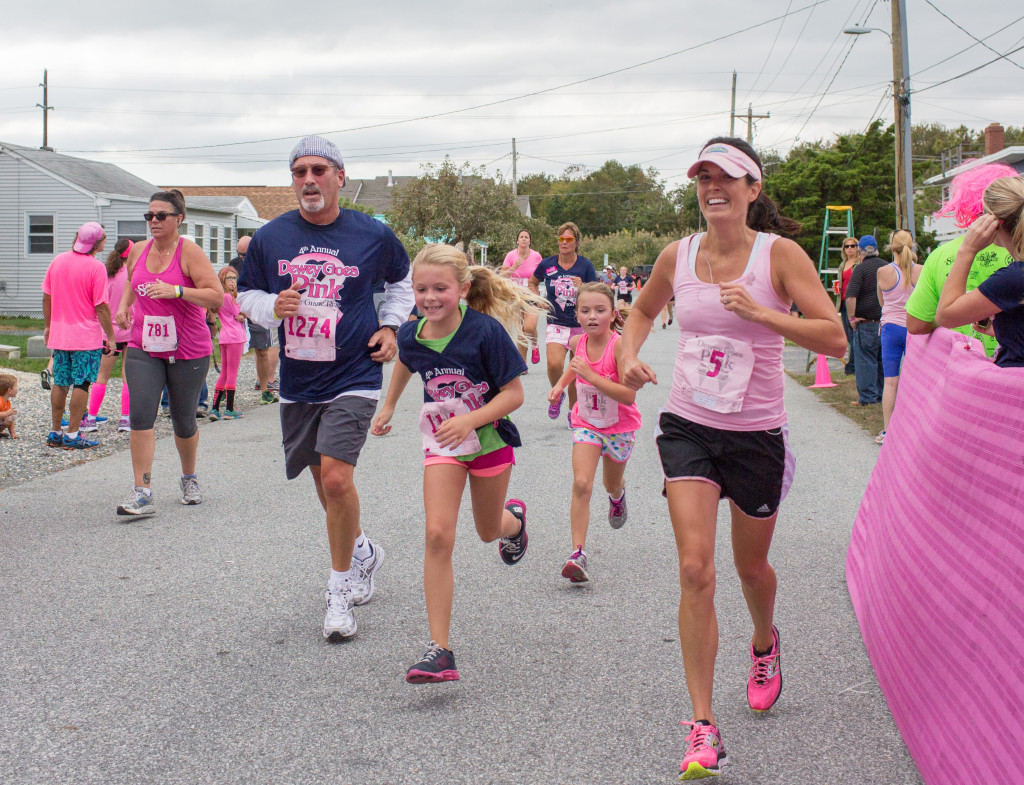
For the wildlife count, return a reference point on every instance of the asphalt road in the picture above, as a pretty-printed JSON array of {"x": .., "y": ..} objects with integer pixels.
[{"x": 186, "y": 648}]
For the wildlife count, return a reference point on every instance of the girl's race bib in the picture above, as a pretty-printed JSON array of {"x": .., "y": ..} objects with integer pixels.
[
  {"x": 309, "y": 335},
  {"x": 716, "y": 371},
  {"x": 433, "y": 416},
  {"x": 159, "y": 334},
  {"x": 594, "y": 407}
]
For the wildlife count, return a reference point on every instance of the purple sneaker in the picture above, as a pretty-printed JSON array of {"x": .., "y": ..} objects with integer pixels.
[
  {"x": 617, "y": 512},
  {"x": 555, "y": 409}
]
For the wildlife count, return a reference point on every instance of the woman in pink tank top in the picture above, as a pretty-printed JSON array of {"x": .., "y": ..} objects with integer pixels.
[
  {"x": 170, "y": 285},
  {"x": 896, "y": 282},
  {"x": 722, "y": 432}
]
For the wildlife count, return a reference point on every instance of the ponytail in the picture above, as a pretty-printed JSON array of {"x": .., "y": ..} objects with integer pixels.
[{"x": 901, "y": 245}]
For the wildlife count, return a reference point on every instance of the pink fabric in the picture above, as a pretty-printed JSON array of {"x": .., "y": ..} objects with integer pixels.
[
  {"x": 526, "y": 269},
  {"x": 629, "y": 416},
  {"x": 699, "y": 311},
  {"x": 189, "y": 319},
  {"x": 76, "y": 283},
  {"x": 115, "y": 291},
  {"x": 231, "y": 330},
  {"x": 230, "y": 359},
  {"x": 894, "y": 301},
  {"x": 125, "y": 398},
  {"x": 934, "y": 567},
  {"x": 96, "y": 394}
]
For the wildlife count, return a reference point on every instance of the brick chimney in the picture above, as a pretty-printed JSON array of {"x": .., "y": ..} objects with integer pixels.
[{"x": 995, "y": 138}]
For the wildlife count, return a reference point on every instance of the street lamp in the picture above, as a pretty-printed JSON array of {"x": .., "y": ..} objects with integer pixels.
[{"x": 901, "y": 109}]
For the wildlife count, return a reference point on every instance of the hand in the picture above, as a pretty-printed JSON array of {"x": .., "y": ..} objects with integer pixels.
[
  {"x": 380, "y": 425},
  {"x": 987, "y": 329},
  {"x": 635, "y": 374},
  {"x": 109, "y": 346},
  {"x": 123, "y": 319},
  {"x": 158, "y": 290},
  {"x": 240, "y": 318},
  {"x": 385, "y": 345},
  {"x": 582, "y": 369},
  {"x": 287, "y": 303},
  {"x": 981, "y": 234},
  {"x": 855, "y": 320},
  {"x": 576, "y": 281},
  {"x": 555, "y": 394},
  {"x": 454, "y": 431},
  {"x": 736, "y": 299}
]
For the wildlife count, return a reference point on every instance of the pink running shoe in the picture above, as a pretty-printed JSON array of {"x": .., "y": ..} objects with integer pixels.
[
  {"x": 705, "y": 756},
  {"x": 764, "y": 683},
  {"x": 555, "y": 409},
  {"x": 535, "y": 355}
]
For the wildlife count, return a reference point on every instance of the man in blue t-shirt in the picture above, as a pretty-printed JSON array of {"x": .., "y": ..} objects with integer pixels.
[{"x": 310, "y": 275}]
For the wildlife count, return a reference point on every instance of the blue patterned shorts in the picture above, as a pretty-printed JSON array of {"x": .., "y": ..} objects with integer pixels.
[
  {"x": 74, "y": 367},
  {"x": 617, "y": 446}
]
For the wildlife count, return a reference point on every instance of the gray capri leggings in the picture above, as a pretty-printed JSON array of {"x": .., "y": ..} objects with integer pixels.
[{"x": 146, "y": 378}]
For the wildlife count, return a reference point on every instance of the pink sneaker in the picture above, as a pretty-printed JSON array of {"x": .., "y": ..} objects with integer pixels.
[
  {"x": 535, "y": 355},
  {"x": 764, "y": 683},
  {"x": 705, "y": 755}
]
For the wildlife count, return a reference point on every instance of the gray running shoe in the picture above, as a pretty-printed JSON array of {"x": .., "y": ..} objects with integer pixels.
[
  {"x": 362, "y": 572},
  {"x": 339, "y": 622},
  {"x": 190, "y": 490},
  {"x": 617, "y": 512},
  {"x": 137, "y": 503},
  {"x": 575, "y": 568}
]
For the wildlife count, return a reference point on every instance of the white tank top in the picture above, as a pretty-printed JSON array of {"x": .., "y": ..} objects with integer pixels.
[{"x": 719, "y": 352}]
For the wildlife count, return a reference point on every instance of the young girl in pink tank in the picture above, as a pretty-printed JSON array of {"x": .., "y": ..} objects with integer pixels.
[
  {"x": 604, "y": 419},
  {"x": 722, "y": 433},
  {"x": 232, "y": 341}
]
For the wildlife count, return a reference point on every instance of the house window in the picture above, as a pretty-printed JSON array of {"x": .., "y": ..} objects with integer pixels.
[
  {"x": 133, "y": 230},
  {"x": 227, "y": 245},
  {"x": 200, "y": 230},
  {"x": 214, "y": 247},
  {"x": 40, "y": 233}
]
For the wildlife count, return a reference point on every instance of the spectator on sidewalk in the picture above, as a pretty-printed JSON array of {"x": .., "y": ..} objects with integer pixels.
[
  {"x": 77, "y": 318},
  {"x": 865, "y": 312}
]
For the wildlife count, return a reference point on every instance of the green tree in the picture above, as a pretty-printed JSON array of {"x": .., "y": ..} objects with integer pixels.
[
  {"x": 347, "y": 204},
  {"x": 452, "y": 205}
]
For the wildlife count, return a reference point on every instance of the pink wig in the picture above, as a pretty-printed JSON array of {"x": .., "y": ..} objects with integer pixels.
[{"x": 966, "y": 190}]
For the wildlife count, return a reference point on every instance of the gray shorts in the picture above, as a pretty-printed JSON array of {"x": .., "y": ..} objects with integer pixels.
[
  {"x": 337, "y": 429},
  {"x": 260, "y": 337}
]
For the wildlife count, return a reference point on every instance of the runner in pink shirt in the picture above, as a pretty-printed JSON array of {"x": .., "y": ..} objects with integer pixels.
[
  {"x": 77, "y": 317},
  {"x": 519, "y": 265}
]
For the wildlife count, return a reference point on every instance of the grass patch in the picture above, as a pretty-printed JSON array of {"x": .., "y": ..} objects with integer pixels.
[
  {"x": 867, "y": 417},
  {"x": 21, "y": 323}
]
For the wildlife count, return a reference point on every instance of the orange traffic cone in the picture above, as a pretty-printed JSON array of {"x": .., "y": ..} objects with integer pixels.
[{"x": 822, "y": 375}]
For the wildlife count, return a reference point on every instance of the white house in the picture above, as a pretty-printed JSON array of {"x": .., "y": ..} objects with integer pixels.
[{"x": 46, "y": 196}]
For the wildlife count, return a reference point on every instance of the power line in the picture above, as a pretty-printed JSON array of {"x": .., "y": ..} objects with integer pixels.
[
  {"x": 491, "y": 103},
  {"x": 947, "y": 58},
  {"x": 968, "y": 73},
  {"x": 971, "y": 35}
]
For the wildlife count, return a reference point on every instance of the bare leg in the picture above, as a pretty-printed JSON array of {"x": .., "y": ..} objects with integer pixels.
[
  {"x": 336, "y": 488},
  {"x": 263, "y": 368},
  {"x": 187, "y": 449},
  {"x": 58, "y": 400},
  {"x": 443, "y": 485},
  {"x": 489, "y": 514},
  {"x": 889, "y": 399},
  {"x": 79, "y": 404},
  {"x": 614, "y": 477},
  {"x": 693, "y": 507},
  {"x": 585, "y": 458},
  {"x": 751, "y": 539},
  {"x": 143, "y": 445}
]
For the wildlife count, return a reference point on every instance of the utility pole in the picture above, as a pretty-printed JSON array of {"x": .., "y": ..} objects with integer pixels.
[
  {"x": 901, "y": 106},
  {"x": 45, "y": 106},
  {"x": 732, "y": 114},
  {"x": 515, "y": 190}
]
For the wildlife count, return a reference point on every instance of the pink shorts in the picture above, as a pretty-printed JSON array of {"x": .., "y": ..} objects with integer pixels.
[
  {"x": 560, "y": 334},
  {"x": 490, "y": 465}
]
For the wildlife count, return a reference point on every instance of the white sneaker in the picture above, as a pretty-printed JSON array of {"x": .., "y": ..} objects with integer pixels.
[
  {"x": 190, "y": 490},
  {"x": 339, "y": 621},
  {"x": 125, "y": 425},
  {"x": 362, "y": 572},
  {"x": 88, "y": 424}
]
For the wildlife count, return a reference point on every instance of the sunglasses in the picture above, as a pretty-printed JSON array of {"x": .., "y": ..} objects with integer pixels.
[
  {"x": 569, "y": 239},
  {"x": 157, "y": 216},
  {"x": 318, "y": 170},
  {"x": 849, "y": 245}
]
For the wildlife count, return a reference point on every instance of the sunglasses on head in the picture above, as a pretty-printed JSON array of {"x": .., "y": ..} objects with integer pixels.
[
  {"x": 161, "y": 216},
  {"x": 318, "y": 170}
]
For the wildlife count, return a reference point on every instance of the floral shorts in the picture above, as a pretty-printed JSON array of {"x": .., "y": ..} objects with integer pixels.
[
  {"x": 617, "y": 446},
  {"x": 76, "y": 367}
]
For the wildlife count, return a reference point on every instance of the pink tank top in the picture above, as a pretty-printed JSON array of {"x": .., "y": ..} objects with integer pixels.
[
  {"x": 593, "y": 409},
  {"x": 115, "y": 290},
  {"x": 894, "y": 301},
  {"x": 189, "y": 319},
  {"x": 728, "y": 372}
]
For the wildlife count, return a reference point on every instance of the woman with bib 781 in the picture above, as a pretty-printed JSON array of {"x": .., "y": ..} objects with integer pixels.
[{"x": 722, "y": 433}]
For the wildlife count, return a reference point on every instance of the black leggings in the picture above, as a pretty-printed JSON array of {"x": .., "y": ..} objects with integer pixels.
[{"x": 146, "y": 377}]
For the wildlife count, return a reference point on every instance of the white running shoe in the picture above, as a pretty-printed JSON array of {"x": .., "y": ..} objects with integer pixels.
[
  {"x": 190, "y": 490},
  {"x": 362, "y": 572},
  {"x": 89, "y": 424},
  {"x": 339, "y": 622},
  {"x": 125, "y": 425}
]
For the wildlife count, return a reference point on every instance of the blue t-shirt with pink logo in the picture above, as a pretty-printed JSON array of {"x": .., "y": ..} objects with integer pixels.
[
  {"x": 560, "y": 289},
  {"x": 337, "y": 266},
  {"x": 478, "y": 360}
]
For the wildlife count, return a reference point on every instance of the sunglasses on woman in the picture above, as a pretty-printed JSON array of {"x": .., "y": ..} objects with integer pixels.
[
  {"x": 161, "y": 216},
  {"x": 850, "y": 245}
]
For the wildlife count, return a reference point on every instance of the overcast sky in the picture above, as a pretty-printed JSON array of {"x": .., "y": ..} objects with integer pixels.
[{"x": 177, "y": 92}]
